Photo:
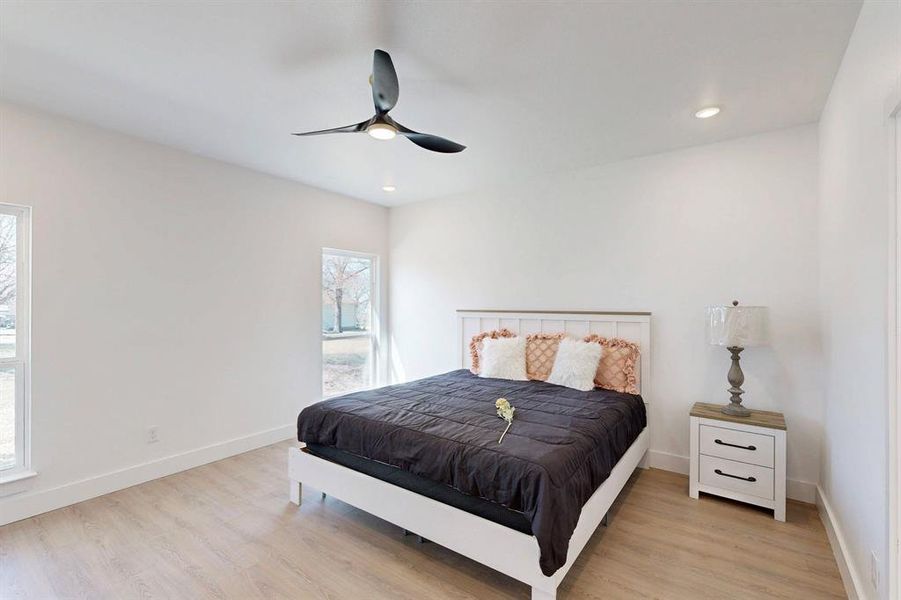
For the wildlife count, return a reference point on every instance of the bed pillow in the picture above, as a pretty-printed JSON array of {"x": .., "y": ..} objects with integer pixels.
[
  {"x": 475, "y": 345},
  {"x": 541, "y": 349},
  {"x": 616, "y": 371},
  {"x": 576, "y": 364},
  {"x": 504, "y": 358}
]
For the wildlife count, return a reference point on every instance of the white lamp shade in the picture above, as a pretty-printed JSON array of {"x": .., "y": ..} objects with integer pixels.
[{"x": 740, "y": 326}]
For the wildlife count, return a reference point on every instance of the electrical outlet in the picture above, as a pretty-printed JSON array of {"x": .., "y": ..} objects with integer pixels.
[
  {"x": 874, "y": 571},
  {"x": 153, "y": 434}
]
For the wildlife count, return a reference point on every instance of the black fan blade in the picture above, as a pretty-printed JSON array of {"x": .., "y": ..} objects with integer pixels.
[
  {"x": 385, "y": 89},
  {"x": 428, "y": 141},
  {"x": 347, "y": 129}
]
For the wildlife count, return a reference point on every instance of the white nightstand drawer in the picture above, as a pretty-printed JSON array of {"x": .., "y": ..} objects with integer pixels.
[
  {"x": 743, "y": 446},
  {"x": 736, "y": 476}
]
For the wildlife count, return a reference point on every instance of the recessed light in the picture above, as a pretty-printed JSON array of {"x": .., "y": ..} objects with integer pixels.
[
  {"x": 388, "y": 188},
  {"x": 707, "y": 112}
]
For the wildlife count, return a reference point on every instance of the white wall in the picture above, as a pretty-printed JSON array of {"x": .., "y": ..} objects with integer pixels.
[
  {"x": 669, "y": 234},
  {"x": 855, "y": 199},
  {"x": 168, "y": 290}
]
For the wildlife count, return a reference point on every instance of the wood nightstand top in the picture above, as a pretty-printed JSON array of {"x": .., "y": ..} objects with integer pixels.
[{"x": 758, "y": 418}]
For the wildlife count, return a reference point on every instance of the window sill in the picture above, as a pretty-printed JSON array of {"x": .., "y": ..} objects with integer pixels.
[
  {"x": 17, "y": 476},
  {"x": 16, "y": 482}
]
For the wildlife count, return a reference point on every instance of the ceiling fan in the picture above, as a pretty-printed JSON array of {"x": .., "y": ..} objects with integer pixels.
[{"x": 382, "y": 127}]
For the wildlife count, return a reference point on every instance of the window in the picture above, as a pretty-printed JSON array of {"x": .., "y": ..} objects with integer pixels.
[
  {"x": 349, "y": 326},
  {"x": 14, "y": 340}
]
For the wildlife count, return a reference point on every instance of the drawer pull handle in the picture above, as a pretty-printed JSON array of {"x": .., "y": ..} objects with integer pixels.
[
  {"x": 751, "y": 479},
  {"x": 722, "y": 443}
]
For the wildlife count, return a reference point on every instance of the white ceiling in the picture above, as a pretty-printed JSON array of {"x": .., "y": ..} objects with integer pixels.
[{"x": 531, "y": 88}]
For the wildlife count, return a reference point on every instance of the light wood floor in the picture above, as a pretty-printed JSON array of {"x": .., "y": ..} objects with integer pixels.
[{"x": 226, "y": 530}]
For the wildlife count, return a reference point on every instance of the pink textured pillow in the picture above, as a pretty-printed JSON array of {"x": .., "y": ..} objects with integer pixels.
[
  {"x": 541, "y": 350},
  {"x": 475, "y": 346},
  {"x": 616, "y": 370}
]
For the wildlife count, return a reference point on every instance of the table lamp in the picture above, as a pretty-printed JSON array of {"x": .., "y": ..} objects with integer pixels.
[{"x": 736, "y": 327}]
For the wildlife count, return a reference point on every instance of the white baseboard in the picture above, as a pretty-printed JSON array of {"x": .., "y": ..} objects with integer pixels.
[
  {"x": 29, "y": 504},
  {"x": 669, "y": 462},
  {"x": 803, "y": 491},
  {"x": 850, "y": 577}
]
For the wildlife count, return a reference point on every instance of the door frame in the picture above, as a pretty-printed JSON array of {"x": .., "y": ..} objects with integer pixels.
[{"x": 894, "y": 346}]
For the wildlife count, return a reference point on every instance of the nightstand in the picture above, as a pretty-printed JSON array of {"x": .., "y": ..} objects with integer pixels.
[{"x": 742, "y": 458}]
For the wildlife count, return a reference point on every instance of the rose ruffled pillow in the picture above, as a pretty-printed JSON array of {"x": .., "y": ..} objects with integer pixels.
[
  {"x": 541, "y": 350},
  {"x": 616, "y": 370}
]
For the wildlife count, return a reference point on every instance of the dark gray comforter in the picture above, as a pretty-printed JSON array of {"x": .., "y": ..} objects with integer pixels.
[{"x": 561, "y": 447}]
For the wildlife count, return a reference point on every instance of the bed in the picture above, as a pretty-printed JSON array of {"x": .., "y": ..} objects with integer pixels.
[{"x": 424, "y": 455}]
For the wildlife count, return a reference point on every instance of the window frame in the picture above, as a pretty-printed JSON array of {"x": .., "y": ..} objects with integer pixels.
[
  {"x": 374, "y": 335},
  {"x": 21, "y": 362}
]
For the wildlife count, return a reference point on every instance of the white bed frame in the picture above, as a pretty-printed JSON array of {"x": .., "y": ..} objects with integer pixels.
[{"x": 501, "y": 548}]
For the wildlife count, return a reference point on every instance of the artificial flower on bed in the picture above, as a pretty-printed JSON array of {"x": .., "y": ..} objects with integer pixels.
[{"x": 504, "y": 411}]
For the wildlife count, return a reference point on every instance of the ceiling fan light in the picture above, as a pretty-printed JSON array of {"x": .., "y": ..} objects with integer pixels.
[{"x": 381, "y": 131}]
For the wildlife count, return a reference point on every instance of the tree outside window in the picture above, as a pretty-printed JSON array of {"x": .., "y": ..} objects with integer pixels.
[{"x": 348, "y": 344}]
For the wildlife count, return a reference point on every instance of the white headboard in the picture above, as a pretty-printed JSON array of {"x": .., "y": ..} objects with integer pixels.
[{"x": 631, "y": 326}]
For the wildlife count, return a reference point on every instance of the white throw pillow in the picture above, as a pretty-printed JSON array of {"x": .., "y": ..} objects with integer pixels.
[
  {"x": 576, "y": 364},
  {"x": 504, "y": 358}
]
